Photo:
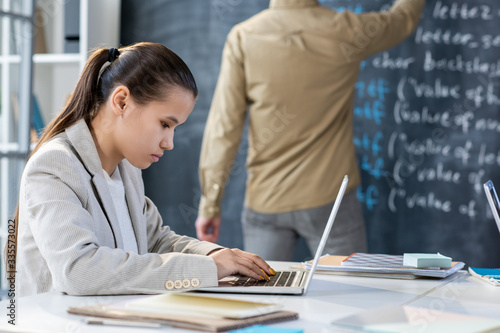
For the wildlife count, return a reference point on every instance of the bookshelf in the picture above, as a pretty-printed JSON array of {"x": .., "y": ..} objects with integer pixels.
[
  {"x": 38, "y": 62},
  {"x": 15, "y": 95},
  {"x": 56, "y": 70}
]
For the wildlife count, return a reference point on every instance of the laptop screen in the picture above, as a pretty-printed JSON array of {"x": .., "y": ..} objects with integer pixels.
[
  {"x": 493, "y": 201},
  {"x": 326, "y": 232}
]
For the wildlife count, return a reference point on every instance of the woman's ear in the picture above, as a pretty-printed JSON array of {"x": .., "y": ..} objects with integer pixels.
[{"x": 120, "y": 99}]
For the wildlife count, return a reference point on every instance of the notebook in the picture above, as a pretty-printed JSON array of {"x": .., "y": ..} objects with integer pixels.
[
  {"x": 492, "y": 196},
  {"x": 291, "y": 282},
  {"x": 209, "y": 306},
  {"x": 136, "y": 313}
]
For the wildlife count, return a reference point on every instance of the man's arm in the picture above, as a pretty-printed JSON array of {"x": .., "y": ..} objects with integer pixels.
[
  {"x": 222, "y": 137},
  {"x": 373, "y": 32}
]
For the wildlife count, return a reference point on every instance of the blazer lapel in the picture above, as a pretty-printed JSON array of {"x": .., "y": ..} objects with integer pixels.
[{"x": 81, "y": 139}]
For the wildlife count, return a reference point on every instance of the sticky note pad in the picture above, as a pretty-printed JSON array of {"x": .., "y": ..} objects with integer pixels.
[
  {"x": 426, "y": 260},
  {"x": 267, "y": 329}
]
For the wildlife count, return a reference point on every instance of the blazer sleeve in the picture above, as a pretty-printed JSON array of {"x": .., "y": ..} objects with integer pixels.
[
  {"x": 58, "y": 206},
  {"x": 162, "y": 240}
]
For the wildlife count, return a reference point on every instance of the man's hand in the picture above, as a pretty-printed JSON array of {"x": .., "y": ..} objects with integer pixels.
[
  {"x": 236, "y": 261},
  {"x": 207, "y": 229}
]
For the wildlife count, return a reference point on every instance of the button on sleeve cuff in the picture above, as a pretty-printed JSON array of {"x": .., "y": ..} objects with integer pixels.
[{"x": 197, "y": 271}]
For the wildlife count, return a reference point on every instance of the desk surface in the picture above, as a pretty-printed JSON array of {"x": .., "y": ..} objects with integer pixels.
[{"x": 329, "y": 298}]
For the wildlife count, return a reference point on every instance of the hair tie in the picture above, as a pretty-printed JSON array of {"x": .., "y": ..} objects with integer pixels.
[{"x": 113, "y": 54}]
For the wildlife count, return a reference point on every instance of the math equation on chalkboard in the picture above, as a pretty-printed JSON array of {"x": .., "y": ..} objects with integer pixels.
[{"x": 427, "y": 132}]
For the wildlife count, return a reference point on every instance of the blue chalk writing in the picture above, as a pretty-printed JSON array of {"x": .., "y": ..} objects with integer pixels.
[
  {"x": 371, "y": 110},
  {"x": 369, "y": 197},
  {"x": 376, "y": 170},
  {"x": 358, "y": 9},
  {"x": 370, "y": 144},
  {"x": 376, "y": 88}
]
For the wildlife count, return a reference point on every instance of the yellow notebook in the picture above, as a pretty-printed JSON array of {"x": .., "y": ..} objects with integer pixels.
[{"x": 187, "y": 303}]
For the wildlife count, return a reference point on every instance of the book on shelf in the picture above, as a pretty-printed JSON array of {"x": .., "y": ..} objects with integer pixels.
[
  {"x": 379, "y": 265},
  {"x": 190, "y": 311},
  {"x": 37, "y": 122},
  {"x": 40, "y": 40}
]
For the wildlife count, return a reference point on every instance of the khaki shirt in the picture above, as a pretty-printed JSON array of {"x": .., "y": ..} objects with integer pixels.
[{"x": 293, "y": 67}]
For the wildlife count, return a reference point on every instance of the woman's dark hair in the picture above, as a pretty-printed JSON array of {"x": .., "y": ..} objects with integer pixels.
[{"x": 149, "y": 70}]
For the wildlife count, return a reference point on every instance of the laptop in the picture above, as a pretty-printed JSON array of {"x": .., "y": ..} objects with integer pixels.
[
  {"x": 492, "y": 196},
  {"x": 290, "y": 282}
]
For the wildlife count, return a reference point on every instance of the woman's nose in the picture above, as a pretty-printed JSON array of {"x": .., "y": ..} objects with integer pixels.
[{"x": 167, "y": 143}]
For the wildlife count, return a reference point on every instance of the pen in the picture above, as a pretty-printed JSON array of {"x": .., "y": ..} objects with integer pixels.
[{"x": 93, "y": 321}]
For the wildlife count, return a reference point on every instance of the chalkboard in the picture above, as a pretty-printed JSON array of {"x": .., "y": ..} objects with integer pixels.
[{"x": 427, "y": 124}]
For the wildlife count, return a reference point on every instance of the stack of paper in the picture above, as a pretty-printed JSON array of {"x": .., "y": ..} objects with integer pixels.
[
  {"x": 191, "y": 311},
  {"x": 379, "y": 265}
]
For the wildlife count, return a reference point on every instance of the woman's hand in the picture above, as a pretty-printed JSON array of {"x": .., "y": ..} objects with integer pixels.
[{"x": 236, "y": 261}]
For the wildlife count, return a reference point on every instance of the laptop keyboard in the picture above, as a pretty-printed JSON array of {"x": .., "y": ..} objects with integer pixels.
[{"x": 281, "y": 279}]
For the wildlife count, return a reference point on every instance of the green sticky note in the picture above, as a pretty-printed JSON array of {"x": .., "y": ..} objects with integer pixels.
[{"x": 426, "y": 260}]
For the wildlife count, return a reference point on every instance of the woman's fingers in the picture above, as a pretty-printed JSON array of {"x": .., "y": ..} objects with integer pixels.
[
  {"x": 250, "y": 268},
  {"x": 236, "y": 261},
  {"x": 257, "y": 260},
  {"x": 247, "y": 268}
]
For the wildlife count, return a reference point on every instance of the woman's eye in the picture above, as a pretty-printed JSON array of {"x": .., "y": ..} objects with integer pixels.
[{"x": 164, "y": 124}]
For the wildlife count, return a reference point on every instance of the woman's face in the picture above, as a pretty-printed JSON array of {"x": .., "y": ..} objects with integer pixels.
[{"x": 144, "y": 132}]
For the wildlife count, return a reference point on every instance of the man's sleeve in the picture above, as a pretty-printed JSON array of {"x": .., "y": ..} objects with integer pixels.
[
  {"x": 370, "y": 33},
  {"x": 224, "y": 127}
]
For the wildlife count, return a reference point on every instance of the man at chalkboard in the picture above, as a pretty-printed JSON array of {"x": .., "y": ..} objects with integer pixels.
[{"x": 293, "y": 66}]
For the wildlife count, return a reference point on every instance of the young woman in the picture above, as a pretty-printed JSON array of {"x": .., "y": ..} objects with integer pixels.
[{"x": 85, "y": 226}]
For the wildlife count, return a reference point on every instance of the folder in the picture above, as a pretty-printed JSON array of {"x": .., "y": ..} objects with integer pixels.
[{"x": 229, "y": 313}]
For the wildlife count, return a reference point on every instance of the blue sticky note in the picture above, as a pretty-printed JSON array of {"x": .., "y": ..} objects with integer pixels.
[{"x": 267, "y": 329}]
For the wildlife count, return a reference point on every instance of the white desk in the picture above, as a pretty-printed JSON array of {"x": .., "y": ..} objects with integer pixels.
[{"x": 329, "y": 298}]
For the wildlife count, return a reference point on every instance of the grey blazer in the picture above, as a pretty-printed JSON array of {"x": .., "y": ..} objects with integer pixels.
[{"x": 69, "y": 237}]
